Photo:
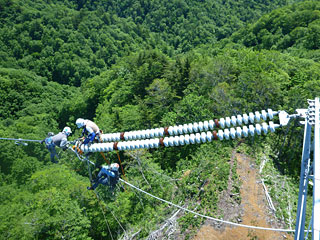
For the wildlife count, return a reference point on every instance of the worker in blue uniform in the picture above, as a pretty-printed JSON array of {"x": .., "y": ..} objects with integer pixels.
[
  {"x": 108, "y": 176},
  {"x": 90, "y": 129},
  {"x": 60, "y": 140}
]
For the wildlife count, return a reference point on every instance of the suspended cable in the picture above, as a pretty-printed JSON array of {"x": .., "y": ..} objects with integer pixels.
[
  {"x": 161, "y": 174},
  {"x": 89, "y": 170},
  {"x": 118, "y": 221},
  {"x": 177, "y": 139},
  {"x": 111, "y": 213},
  {"x": 120, "y": 163},
  {"x": 104, "y": 216},
  {"x": 90, "y": 177},
  {"x": 208, "y": 217},
  {"x": 150, "y": 168},
  {"x": 21, "y": 140},
  {"x": 121, "y": 167}
]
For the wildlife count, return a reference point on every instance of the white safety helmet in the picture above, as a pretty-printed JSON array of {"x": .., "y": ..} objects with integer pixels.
[
  {"x": 114, "y": 166},
  {"x": 67, "y": 130},
  {"x": 80, "y": 122},
  {"x": 50, "y": 134}
]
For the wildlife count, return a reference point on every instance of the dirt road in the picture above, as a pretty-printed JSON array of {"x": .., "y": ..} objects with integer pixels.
[{"x": 253, "y": 209}]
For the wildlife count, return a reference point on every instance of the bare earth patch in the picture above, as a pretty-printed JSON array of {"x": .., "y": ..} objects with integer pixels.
[{"x": 253, "y": 209}]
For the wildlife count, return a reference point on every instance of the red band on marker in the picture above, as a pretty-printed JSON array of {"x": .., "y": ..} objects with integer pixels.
[
  {"x": 166, "y": 131},
  {"x": 217, "y": 122},
  {"x": 122, "y": 136},
  {"x": 215, "y": 135}
]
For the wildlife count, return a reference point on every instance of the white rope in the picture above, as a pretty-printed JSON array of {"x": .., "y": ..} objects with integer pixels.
[{"x": 208, "y": 217}]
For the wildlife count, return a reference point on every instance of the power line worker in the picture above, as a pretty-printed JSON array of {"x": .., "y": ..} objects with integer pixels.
[
  {"x": 60, "y": 140},
  {"x": 108, "y": 175},
  {"x": 89, "y": 128}
]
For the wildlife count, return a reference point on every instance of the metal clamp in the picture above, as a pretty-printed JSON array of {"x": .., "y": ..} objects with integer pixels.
[{"x": 311, "y": 112}]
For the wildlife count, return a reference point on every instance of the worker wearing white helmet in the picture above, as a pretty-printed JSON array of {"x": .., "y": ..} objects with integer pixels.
[
  {"x": 108, "y": 175},
  {"x": 60, "y": 140},
  {"x": 89, "y": 128}
]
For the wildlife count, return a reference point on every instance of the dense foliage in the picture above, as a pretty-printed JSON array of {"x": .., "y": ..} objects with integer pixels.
[
  {"x": 293, "y": 29},
  {"x": 131, "y": 65}
]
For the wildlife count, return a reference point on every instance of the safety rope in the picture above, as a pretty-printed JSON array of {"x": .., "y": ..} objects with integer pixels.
[
  {"x": 102, "y": 154},
  {"x": 121, "y": 168},
  {"x": 105, "y": 159},
  {"x": 208, "y": 217},
  {"x": 120, "y": 163},
  {"x": 118, "y": 221}
]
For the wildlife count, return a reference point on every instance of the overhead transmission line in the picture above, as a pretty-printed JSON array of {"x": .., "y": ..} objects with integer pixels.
[
  {"x": 19, "y": 141},
  {"x": 204, "y": 216},
  {"x": 195, "y": 133}
]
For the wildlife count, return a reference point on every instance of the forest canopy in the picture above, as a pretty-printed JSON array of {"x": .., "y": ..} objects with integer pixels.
[{"x": 133, "y": 65}]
